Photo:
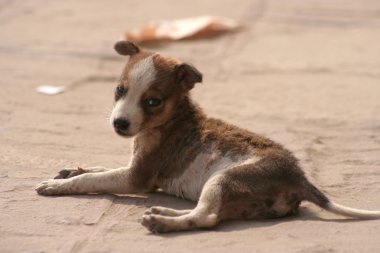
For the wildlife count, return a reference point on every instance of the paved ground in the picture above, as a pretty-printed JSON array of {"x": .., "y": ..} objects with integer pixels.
[{"x": 305, "y": 73}]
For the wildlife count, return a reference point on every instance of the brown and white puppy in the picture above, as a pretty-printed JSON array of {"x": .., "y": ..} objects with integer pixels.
[{"x": 231, "y": 172}]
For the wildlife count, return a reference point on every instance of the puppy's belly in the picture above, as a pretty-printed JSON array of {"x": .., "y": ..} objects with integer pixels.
[{"x": 190, "y": 183}]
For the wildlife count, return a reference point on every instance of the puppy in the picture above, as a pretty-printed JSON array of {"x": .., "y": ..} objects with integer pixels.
[{"x": 232, "y": 173}]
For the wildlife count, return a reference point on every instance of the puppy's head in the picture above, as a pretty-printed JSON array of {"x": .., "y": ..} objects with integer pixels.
[{"x": 150, "y": 87}]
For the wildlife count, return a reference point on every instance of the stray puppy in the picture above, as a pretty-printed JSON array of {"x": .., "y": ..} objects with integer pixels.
[{"x": 231, "y": 172}]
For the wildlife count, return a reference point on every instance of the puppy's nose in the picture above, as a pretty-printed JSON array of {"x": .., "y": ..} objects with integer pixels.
[{"x": 121, "y": 124}]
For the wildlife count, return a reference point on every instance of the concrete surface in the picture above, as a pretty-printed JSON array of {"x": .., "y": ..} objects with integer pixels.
[{"x": 305, "y": 73}]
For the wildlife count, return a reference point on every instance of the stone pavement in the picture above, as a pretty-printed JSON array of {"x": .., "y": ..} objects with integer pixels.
[{"x": 305, "y": 73}]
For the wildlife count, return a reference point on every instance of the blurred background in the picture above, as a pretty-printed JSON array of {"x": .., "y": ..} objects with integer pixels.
[{"x": 305, "y": 73}]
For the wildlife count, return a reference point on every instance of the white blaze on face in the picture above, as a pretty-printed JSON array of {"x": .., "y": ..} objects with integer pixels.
[{"x": 139, "y": 79}]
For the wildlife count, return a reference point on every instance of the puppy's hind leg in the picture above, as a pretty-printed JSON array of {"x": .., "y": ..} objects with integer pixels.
[
  {"x": 164, "y": 211},
  {"x": 204, "y": 215}
]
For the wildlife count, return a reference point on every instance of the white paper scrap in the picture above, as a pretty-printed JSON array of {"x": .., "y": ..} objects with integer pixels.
[{"x": 50, "y": 89}]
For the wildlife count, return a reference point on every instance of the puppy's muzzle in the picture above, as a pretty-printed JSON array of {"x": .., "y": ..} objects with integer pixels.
[{"x": 121, "y": 126}]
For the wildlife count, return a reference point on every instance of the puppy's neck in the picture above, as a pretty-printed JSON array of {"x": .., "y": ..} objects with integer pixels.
[
  {"x": 186, "y": 117},
  {"x": 186, "y": 114}
]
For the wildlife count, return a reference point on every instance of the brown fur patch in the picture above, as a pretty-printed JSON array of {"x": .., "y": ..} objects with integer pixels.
[{"x": 163, "y": 88}]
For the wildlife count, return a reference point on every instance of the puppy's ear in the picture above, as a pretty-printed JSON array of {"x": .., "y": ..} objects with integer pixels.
[
  {"x": 126, "y": 48},
  {"x": 187, "y": 75}
]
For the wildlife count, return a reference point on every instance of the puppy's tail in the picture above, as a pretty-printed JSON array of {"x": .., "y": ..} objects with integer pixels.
[{"x": 312, "y": 194}]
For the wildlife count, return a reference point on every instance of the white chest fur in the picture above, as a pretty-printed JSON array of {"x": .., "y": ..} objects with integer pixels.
[{"x": 189, "y": 185}]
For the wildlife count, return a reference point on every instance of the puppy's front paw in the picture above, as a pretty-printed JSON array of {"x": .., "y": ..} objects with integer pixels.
[
  {"x": 153, "y": 224},
  {"x": 50, "y": 187},
  {"x": 67, "y": 173}
]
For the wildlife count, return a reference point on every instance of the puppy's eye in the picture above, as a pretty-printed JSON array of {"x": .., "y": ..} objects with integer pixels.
[
  {"x": 120, "y": 90},
  {"x": 153, "y": 102}
]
